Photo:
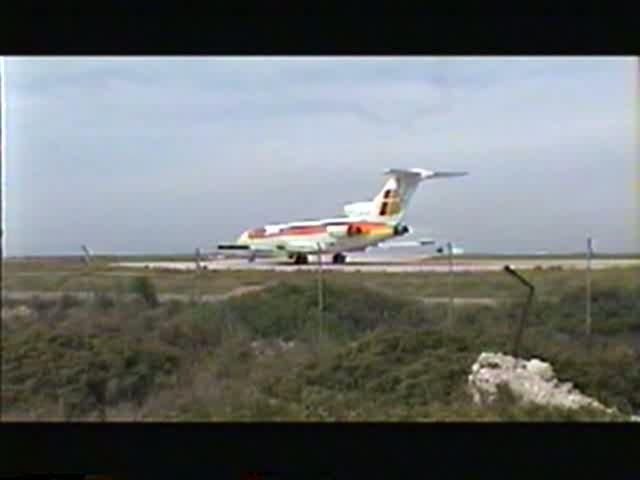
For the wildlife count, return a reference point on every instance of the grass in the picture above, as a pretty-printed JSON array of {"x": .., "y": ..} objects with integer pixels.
[
  {"x": 72, "y": 276},
  {"x": 375, "y": 354}
]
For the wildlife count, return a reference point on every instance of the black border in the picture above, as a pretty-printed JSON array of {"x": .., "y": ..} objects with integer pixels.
[
  {"x": 327, "y": 451},
  {"x": 310, "y": 31},
  {"x": 310, "y": 450}
]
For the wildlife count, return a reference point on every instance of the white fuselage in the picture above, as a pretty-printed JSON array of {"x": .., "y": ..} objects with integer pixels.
[{"x": 331, "y": 235}]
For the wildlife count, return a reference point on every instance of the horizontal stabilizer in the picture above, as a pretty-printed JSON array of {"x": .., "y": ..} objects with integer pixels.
[
  {"x": 448, "y": 174},
  {"x": 421, "y": 173}
]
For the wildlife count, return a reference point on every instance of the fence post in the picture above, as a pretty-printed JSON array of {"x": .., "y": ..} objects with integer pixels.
[
  {"x": 525, "y": 309},
  {"x": 450, "y": 283},
  {"x": 588, "y": 287},
  {"x": 320, "y": 292}
]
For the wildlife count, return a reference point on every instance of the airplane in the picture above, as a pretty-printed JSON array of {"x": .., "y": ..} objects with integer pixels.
[
  {"x": 455, "y": 250},
  {"x": 365, "y": 224}
]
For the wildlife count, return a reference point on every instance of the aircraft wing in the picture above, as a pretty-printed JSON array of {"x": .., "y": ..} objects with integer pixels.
[
  {"x": 235, "y": 250},
  {"x": 233, "y": 246},
  {"x": 304, "y": 246},
  {"x": 455, "y": 250},
  {"x": 293, "y": 246}
]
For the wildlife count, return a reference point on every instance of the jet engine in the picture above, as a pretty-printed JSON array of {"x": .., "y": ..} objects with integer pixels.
[
  {"x": 355, "y": 230},
  {"x": 401, "y": 230},
  {"x": 345, "y": 230},
  {"x": 338, "y": 230}
]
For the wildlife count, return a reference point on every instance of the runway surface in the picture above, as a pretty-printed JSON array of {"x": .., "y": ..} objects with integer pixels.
[{"x": 386, "y": 264}]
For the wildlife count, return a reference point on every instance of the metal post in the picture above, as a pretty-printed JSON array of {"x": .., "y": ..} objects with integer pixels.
[
  {"x": 87, "y": 255},
  {"x": 320, "y": 293},
  {"x": 588, "y": 286},
  {"x": 450, "y": 281},
  {"x": 525, "y": 309},
  {"x": 197, "y": 293},
  {"x": 198, "y": 256}
]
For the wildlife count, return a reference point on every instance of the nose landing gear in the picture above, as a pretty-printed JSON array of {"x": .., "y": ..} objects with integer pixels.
[{"x": 339, "y": 258}]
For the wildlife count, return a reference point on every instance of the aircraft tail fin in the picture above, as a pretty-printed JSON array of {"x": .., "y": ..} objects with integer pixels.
[{"x": 390, "y": 204}]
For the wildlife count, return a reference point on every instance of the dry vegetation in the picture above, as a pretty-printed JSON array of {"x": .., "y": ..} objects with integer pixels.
[
  {"x": 73, "y": 276},
  {"x": 377, "y": 354}
]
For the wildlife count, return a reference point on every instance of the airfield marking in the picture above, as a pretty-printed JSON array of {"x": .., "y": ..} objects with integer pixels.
[
  {"x": 215, "y": 298},
  {"x": 492, "y": 302},
  {"x": 163, "y": 297}
]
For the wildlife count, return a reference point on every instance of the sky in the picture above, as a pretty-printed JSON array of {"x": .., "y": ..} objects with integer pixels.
[{"x": 166, "y": 154}]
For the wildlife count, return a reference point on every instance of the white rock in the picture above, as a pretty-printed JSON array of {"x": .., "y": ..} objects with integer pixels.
[
  {"x": 530, "y": 381},
  {"x": 541, "y": 369}
]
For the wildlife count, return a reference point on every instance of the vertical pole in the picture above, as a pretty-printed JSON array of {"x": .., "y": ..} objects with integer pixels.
[
  {"x": 320, "y": 299},
  {"x": 588, "y": 286},
  {"x": 450, "y": 282},
  {"x": 198, "y": 269},
  {"x": 87, "y": 255},
  {"x": 198, "y": 264},
  {"x": 525, "y": 309}
]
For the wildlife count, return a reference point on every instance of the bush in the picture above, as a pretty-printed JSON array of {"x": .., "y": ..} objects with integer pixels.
[
  {"x": 104, "y": 302},
  {"x": 290, "y": 310},
  {"x": 68, "y": 301},
  {"x": 381, "y": 357},
  {"x": 145, "y": 289}
]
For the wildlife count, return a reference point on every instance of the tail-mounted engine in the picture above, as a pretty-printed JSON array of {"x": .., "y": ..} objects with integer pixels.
[
  {"x": 351, "y": 230},
  {"x": 401, "y": 230}
]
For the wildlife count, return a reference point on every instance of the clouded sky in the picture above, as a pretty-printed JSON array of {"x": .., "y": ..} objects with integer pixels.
[{"x": 166, "y": 154}]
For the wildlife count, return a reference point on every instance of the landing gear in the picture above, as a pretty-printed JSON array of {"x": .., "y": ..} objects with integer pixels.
[
  {"x": 339, "y": 258},
  {"x": 300, "y": 259}
]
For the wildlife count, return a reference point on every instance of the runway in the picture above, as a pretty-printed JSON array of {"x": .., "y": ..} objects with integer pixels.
[{"x": 388, "y": 264}]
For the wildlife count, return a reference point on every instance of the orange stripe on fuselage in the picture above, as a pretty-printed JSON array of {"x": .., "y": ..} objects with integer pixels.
[
  {"x": 369, "y": 228},
  {"x": 301, "y": 232},
  {"x": 366, "y": 229},
  {"x": 312, "y": 230}
]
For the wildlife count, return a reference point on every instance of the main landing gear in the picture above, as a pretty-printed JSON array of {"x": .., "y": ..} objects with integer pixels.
[
  {"x": 339, "y": 258},
  {"x": 300, "y": 259}
]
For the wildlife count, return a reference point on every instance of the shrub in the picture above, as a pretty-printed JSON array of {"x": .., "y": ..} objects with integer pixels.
[
  {"x": 104, "y": 302},
  {"x": 381, "y": 357},
  {"x": 68, "y": 301},
  {"x": 145, "y": 289}
]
